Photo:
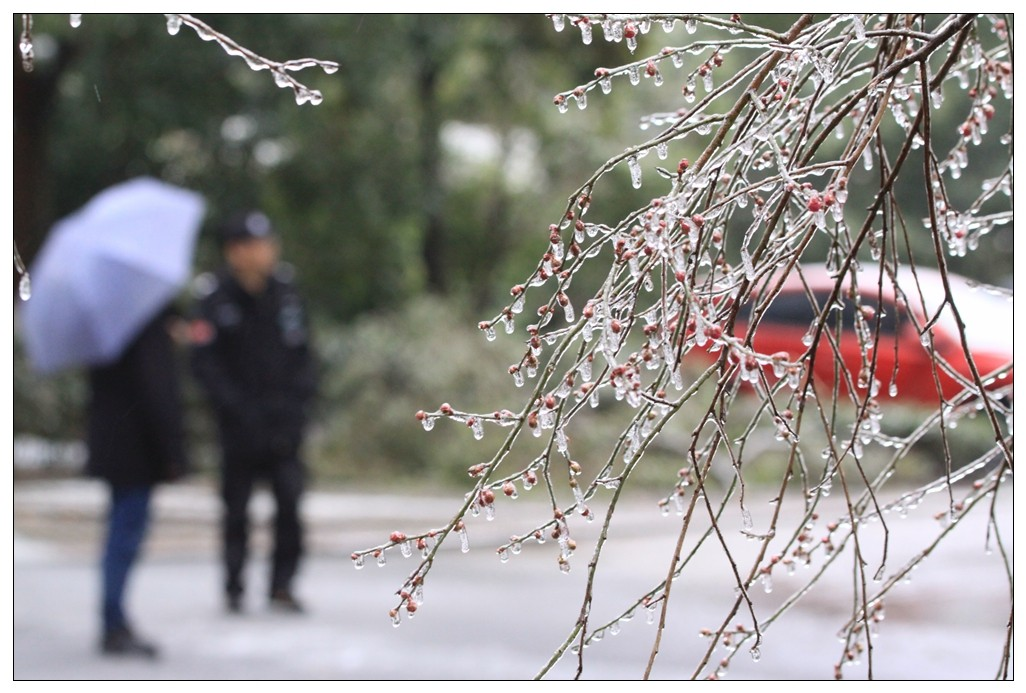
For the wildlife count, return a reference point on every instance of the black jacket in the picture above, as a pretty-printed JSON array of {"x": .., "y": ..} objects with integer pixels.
[
  {"x": 136, "y": 433},
  {"x": 252, "y": 356}
]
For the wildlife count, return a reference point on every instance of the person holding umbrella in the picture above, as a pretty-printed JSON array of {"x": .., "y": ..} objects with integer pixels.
[
  {"x": 135, "y": 441},
  {"x": 251, "y": 354},
  {"x": 104, "y": 285}
]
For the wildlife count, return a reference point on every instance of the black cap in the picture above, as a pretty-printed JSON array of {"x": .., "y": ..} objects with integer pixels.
[{"x": 245, "y": 225}]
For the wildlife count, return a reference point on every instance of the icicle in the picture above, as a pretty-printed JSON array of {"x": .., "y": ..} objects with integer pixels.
[
  {"x": 635, "y": 169},
  {"x": 585, "y": 26},
  {"x": 25, "y": 287},
  {"x": 174, "y": 23}
]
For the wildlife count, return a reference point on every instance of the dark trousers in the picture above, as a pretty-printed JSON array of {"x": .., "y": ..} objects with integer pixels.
[
  {"x": 126, "y": 529},
  {"x": 238, "y": 478}
]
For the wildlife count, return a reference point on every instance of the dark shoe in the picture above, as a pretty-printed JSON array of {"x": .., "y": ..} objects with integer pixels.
[
  {"x": 234, "y": 603},
  {"x": 123, "y": 642},
  {"x": 283, "y": 600}
]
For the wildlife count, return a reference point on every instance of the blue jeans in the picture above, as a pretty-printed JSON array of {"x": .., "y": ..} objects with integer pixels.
[{"x": 129, "y": 517}]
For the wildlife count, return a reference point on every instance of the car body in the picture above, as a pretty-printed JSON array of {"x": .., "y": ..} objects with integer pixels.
[{"x": 891, "y": 314}]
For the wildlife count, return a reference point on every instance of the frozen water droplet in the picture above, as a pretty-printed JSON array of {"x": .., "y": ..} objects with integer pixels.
[
  {"x": 464, "y": 540},
  {"x": 428, "y": 423},
  {"x": 490, "y": 333},
  {"x": 756, "y": 654},
  {"x": 25, "y": 287},
  {"x": 75, "y": 20},
  {"x": 381, "y": 559},
  {"x": 585, "y": 31},
  {"x": 691, "y": 26},
  {"x": 174, "y": 23},
  {"x": 358, "y": 561},
  {"x": 635, "y": 169},
  {"x": 405, "y": 549}
]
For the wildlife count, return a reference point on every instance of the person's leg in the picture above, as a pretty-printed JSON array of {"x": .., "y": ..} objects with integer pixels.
[
  {"x": 127, "y": 524},
  {"x": 287, "y": 480},
  {"x": 236, "y": 489}
]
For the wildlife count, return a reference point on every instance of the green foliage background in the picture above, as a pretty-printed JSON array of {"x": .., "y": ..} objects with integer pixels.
[{"x": 410, "y": 200}]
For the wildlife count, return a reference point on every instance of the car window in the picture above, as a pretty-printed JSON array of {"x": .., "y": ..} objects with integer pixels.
[{"x": 792, "y": 308}]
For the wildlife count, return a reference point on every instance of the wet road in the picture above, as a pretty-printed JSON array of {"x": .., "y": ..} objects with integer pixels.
[{"x": 481, "y": 619}]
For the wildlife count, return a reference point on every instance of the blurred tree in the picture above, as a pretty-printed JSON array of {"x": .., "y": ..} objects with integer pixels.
[{"x": 369, "y": 170}]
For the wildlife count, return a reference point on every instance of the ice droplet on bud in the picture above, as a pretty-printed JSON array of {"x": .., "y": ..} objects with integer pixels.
[
  {"x": 358, "y": 561},
  {"x": 568, "y": 311},
  {"x": 174, "y": 23},
  {"x": 585, "y": 31},
  {"x": 25, "y": 287},
  {"x": 635, "y": 169},
  {"x": 464, "y": 540}
]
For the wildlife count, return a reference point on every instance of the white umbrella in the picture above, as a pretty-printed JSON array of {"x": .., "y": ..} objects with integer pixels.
[{"x": 106, "y": 270}]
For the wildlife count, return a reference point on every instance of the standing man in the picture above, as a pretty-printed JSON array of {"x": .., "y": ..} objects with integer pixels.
[{"x": 251, "y": 354}]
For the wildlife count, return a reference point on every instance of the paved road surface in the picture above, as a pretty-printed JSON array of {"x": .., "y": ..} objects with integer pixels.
[{"x": 481, "y": 619}]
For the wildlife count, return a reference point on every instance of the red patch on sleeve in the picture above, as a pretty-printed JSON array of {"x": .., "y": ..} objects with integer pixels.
[{"x": 201, "y": 332}]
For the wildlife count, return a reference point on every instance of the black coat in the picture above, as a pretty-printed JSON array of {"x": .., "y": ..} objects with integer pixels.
[
  {"x": 252, "y": 356},
  {"x": 136, "y": 435}
]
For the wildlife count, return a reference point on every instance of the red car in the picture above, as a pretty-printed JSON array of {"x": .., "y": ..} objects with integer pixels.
[{"x": 904, "y": 363}]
